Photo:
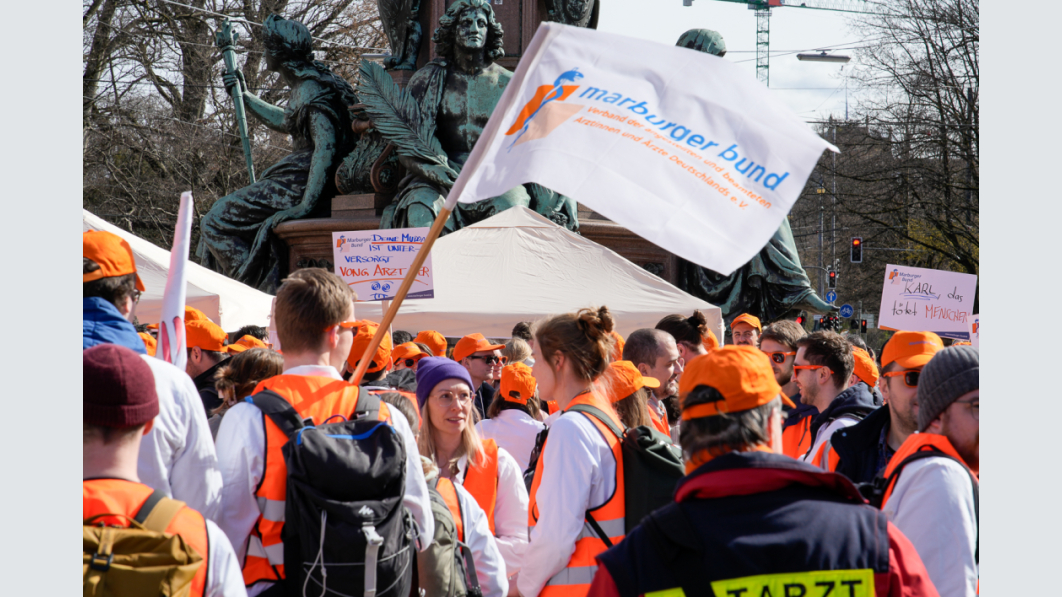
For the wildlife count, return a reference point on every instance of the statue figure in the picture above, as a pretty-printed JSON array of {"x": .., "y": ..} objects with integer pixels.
[
  {"x": 237, "y": 238},
  {"x": 771, "y": 286},
  {"x": 580, "y": 13},
  {"x": 454, "y": 96},
  {"x": 399, "y": 19}
]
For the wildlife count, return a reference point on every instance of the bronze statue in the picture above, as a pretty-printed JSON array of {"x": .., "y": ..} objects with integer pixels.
[
  {"x": 771, "y": 286},
  {"x": 399, "y": 19},
  {"x": 454, "y": 95},
  {"x": 237, "y": 238},
  {"x": 580, "y": 13}
]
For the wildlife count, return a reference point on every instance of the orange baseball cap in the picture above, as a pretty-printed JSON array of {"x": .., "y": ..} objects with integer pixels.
[
  {"x": 150, "y": 343},
  {"x": 709, "y": 340},
  {"x": 626, "y": 380},
  {"x": 408, "y": 350},
  {"x": 473, "y": 343},
  {"x": 517, "y": 383},
  {"x": 749, "y": 319},
  {"x": 433, "y": 340},
  {"x": 190, "y": 314},
  {"x": 363, "y": 334},
  {"x": 112, "y": 253},
  {"x": 911, "y": 349},
  {"x": 248, "y": 341},
  {"x": 617, "y": 348},
  {"x": 865, "y": 369},
  {"x": 742, "y": 374},
  {"x": 205, "y": 335}
]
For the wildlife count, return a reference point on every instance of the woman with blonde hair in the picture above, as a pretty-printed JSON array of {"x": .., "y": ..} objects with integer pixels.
[
  {"x": 578, "y": 484},
  {"x": 481, "y": 479},
  {"x": 238, "y": 377}
]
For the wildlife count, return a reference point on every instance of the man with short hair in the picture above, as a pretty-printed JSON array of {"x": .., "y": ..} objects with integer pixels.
[
  {"x": 120, "y": 406},
  {"x": 177, "y": 455},
  {"x": 748, "y": 521},
  {"x": 745, "y": 330},
  {"x": 865, "y": 449},
  {"x": 823, "y": 365},
  {"x": 933, "y": 500},
  {"x": 656, "y": 355},
  {"x": 482, "y": 359},
  {"x": 206, "y": 352},
  {"x": 779, "y": 342},
  {"x": 315, "y": 323}
]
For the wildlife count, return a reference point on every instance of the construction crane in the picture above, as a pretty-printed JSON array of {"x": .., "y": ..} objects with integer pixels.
[{"x": 763, "y": 22}]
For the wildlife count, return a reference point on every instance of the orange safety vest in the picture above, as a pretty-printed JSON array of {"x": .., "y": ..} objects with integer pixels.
[
  {"x": 660, "y": 424},
  {"x": 409, "y": 396},
  {"x": 118, "y": 496},
  {"x": 482, "y": 480},
  {"x": 312, "y": 397},
  {"x": 916, "y": 443},
  {"x": 551, "y": 406},
  {"x": 574, "y": 579},
  {"x": 796, "y": 439},
  {"x": 446, "y": 489}
]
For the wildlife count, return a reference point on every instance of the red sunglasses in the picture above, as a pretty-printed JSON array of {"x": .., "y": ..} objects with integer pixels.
[
  {"x": 812, "y": 368},
  {"x": 910, "y": 377},
  {"x": 778, "y": 357}
]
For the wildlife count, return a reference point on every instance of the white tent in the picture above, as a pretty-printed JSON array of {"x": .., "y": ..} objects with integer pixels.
[
  {"x": 519, "y": 266},
  {"x": 227, "y": 302}
]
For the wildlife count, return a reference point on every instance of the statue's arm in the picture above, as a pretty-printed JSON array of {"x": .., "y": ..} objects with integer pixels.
[{"x": 270, "y": 115}]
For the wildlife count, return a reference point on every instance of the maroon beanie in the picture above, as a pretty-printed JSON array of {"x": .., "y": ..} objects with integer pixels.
[{"x": 118, "y": 387}]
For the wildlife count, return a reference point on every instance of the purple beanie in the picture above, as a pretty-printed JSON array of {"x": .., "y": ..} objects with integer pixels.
[{"x": 432, "y": 370}]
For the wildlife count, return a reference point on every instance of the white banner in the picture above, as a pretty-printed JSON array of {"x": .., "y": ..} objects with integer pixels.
[
  {"x": 171, "y": 342},
  {"x": 374, "y": 262},
  {"x": 927, "y": 300},
  {"x": 684, "y": 148}
]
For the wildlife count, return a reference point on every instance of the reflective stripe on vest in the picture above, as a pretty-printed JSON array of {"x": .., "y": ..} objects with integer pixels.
[
  {"x": 482, "y": 480},
  {"x": 917, "y": 442},
  {"x": 446, "y": 489},
  {"x": 574, "y": 579},
  {"x": 118, "y": 496},
  {"x": 312, "y": 397}
]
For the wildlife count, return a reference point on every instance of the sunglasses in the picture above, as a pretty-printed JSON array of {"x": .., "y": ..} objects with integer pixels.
[
  {"x": 410, "y": 362},
  {"x": 910, "y": 378},
  {"x": 491, "y": 360},
  {"x": 812, "y": 368},
  {"x": 778, "y": 357}
]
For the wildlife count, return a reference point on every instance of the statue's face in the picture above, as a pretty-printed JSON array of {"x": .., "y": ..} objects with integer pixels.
[{"x": 472, "y": 30}]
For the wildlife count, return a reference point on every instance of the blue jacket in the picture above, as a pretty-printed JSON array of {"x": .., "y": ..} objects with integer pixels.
[{"x": 103, "y": 324}]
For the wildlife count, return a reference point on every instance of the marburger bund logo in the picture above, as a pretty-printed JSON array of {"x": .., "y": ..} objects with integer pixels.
[{"x": 544, "y": 112}]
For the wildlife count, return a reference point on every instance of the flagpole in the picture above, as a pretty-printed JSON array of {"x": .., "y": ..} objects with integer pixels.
[{"x": 396, "y": 302}]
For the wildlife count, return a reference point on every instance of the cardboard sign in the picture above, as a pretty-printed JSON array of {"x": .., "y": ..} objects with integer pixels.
[
  {"x": 927, "y": 300},
  {"x": 374, "y": 262}
]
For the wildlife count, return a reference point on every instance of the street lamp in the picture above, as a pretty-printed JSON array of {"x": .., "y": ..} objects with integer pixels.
[{"x": 824, "y": 57}]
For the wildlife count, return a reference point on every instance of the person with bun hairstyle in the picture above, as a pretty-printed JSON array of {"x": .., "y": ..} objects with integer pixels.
[
  {"x": 689, "y": 333},
  {"x": 238, "y": 377},
  {"x": 580, "y": 472},
  {"x": 479, "y": 467},
  {"x": 513, "y": 416}
]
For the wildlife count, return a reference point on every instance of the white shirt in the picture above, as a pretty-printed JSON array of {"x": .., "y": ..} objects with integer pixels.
[
  {"x": 579, "y": 474},
  {"x": 490, "y": 567},
  {"x": 824, "y": 434},
  {"x": 177, "y": 456},
  {"x": 224, "y": 575},
  {"x": 241, "y": 454},
  {"x": 510, "y": 509},
  {"x": 932, "y": 504},
  {"x": 515, "y": 431}
]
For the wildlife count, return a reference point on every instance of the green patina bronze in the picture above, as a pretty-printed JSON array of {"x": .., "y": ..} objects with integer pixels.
[{"x": 773, "y": 285}]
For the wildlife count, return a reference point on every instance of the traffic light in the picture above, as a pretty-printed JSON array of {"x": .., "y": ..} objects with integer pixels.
[
  {"x": 863, "y": 326},
  {"x": 857, "y": 249},
  {"x": 854, "y": 324},
  {"x": 833, "y": 279}
]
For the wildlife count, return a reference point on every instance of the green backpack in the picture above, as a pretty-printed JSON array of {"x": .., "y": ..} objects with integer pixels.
[{"x": 142, "y": 559}]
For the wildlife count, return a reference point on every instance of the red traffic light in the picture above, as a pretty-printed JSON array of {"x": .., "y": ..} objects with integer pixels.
[{"x": 856, "y": 241}]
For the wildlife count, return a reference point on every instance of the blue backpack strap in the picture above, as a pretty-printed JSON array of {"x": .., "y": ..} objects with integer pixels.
[{"x": 282, "y": 413}]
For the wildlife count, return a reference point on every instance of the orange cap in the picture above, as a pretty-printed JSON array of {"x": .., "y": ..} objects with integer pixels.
[
  {"x": 190, "y": 314},
  {"x": 517, "y": 383},
  {"x": 742, "y": 374},
  {"x": 244, "y": 343},
  {"x": 472, "y": 343},
  {"x": 911, "y": 349},
  {"x": 408, "y": 350},
  {"x": 205, "y": 335},
  {"x": 112, "y": 253},
  {"x": 433, "y": 340},
  {"x": 617, "y": 348},
  {"x": 865, "y": 369},
  {"x": 749, "y": 319},
  {"x": 709, "y": 340},
  {"x": 626, "y": 380},
  {"x": 362, "y": 337},
  {"x": 149, "y": 342}
]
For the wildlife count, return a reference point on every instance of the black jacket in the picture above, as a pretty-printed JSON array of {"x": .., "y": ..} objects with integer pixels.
[
  {"x": 856, "y": 401},
  {"x": 857, "y": 446},
  {"x": 484, "y": 396},
  {"x": 204, "y": 382}
]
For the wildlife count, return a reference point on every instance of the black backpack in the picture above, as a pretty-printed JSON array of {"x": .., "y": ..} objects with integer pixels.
[{"x": 346, "y": 531}]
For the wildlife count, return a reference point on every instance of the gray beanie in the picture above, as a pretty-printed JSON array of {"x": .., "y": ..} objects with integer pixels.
[{"x": 951, "y": 373}]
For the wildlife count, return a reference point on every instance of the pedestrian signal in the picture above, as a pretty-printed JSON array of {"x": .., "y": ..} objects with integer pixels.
[
  {"x": 857, "y": 249},
  {"x": 833, "y": 279},
  {"x": 863, "y": 326}
]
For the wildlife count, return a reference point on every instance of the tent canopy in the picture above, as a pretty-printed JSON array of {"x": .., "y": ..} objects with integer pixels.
[
  {"x": 519, "y": 266},
  {"x": 227, "y": 302}
]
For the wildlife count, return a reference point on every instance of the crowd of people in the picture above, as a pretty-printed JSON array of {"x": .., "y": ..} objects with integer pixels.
[{"x": 807, "y": 465}]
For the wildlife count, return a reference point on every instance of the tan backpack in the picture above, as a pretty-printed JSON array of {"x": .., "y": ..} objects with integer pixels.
[{"x": 142, "y": 559}]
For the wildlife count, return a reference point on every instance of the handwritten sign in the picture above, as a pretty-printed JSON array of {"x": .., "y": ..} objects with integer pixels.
[
  {"x": 927, "y": 300},
  {"x": 374, "y": 262}
]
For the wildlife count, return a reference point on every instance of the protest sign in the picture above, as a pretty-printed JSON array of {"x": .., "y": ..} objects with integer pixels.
[
  {"x": 975, "y": 332},
  {"x": 373, "y": 262},
  {"x": 685, "y": 149},
  {"x": 927, "y": 300},
  {"x": 172, "y": 345}
]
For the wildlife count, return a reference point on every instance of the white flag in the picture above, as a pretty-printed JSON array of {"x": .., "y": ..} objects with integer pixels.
[
  {"x": 683, "y": 148},
  {"x": 172, "y": 345}
]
